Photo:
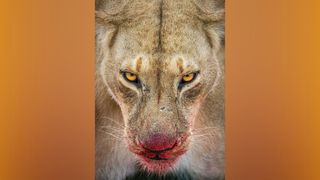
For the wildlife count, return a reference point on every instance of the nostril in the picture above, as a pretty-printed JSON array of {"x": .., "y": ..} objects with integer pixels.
[{"x": 159, "y": 143}]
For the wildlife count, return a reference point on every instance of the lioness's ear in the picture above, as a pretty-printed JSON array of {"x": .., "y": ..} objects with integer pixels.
[
  {"x": 215, "y": 35},
  {"x": 100, "y": 17},
  {"x": 108, "y": 10},
  {"x": 110, "y": 6},
  {"x": 209, "y": 5},
  {"x": 212, "y": 13},
  {"x": 118, "y": 11},
  {"x": 210, "y": 10}
]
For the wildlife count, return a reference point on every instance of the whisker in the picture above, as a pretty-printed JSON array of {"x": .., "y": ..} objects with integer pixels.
[
  {"x": 115, "y": 132},
  {"x": 118, "y": 134},
  {"x": 205, "y": 128},
  {"x": 201, "y": 135},
  {"x": 113, "y": 135},
  {"x": 116, "y": 122},
  {"x": 112, "y": 128}
]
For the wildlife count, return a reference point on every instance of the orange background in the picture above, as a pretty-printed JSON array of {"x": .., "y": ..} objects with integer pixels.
[{"x": 47, "y": 90}]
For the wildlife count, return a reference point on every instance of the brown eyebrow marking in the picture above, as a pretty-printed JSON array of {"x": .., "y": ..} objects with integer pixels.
[
  {"x": 138, "y": 64},
  {"x": 180, "y": 65}
]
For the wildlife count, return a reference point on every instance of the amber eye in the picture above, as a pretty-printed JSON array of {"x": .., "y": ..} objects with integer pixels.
[
  {"x": 188, "y": 77},
  {"x": 130, "y": 76}
]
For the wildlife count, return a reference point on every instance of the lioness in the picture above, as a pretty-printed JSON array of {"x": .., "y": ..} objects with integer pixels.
[{"x": 159, "y": 89}]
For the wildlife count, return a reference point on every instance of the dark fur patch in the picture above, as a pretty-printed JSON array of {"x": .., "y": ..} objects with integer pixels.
[{"x": 193, "y": 93}]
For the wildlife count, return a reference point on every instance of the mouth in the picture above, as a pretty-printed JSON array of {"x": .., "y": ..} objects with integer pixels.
[
  {"x": 159, "y": 162},
  {"x": 161, "y": 159}
]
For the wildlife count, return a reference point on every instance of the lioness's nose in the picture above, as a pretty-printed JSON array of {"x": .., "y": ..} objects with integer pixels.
[{"x": 159, "y": 142}]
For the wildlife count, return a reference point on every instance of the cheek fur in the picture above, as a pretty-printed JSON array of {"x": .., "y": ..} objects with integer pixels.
[
  {"x": 190, "y": 113},
  {"x": 190, "y": 96},
  {"x": 127, "y": 95}
]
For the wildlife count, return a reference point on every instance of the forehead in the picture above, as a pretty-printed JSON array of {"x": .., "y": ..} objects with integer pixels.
[
  {"x": 163, "y": 26},
  {"x": 166, "y": 39},
  {"x": 187, "y": 40},
  {"x": 172, "y": 52}
]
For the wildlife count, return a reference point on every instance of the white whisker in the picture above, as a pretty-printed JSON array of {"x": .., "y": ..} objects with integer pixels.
[{"x": 112, "y": 120}]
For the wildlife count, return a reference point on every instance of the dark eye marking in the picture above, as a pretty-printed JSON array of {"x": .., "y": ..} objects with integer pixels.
[
  {"x": 127, "y": 94},
  {"x": 194, "y": 92}
]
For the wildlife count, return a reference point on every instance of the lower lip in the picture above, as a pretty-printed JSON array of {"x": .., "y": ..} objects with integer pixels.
[
  {"x": 161, "y": 163},
  {"x": 153, "y": 156},
  {"x": 157, "y": 160}
]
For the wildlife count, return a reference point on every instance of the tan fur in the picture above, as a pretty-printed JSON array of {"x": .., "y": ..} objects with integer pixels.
[{"x": 160, "y": 40}]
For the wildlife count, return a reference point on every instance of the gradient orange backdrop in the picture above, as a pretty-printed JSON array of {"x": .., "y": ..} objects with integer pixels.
[
  {"x": 272, "y": 90},
  {"x": 47, "y": 90}
]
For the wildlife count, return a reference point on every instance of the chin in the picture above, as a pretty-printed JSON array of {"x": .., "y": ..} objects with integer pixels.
[{"x": 157, "y": 166}]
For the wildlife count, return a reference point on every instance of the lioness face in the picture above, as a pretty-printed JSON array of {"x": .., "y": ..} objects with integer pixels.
[{"x": 159, "y": 84}]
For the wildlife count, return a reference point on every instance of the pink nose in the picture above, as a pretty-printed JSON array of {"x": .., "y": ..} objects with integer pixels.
[{"x": 159, "y": 142}]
